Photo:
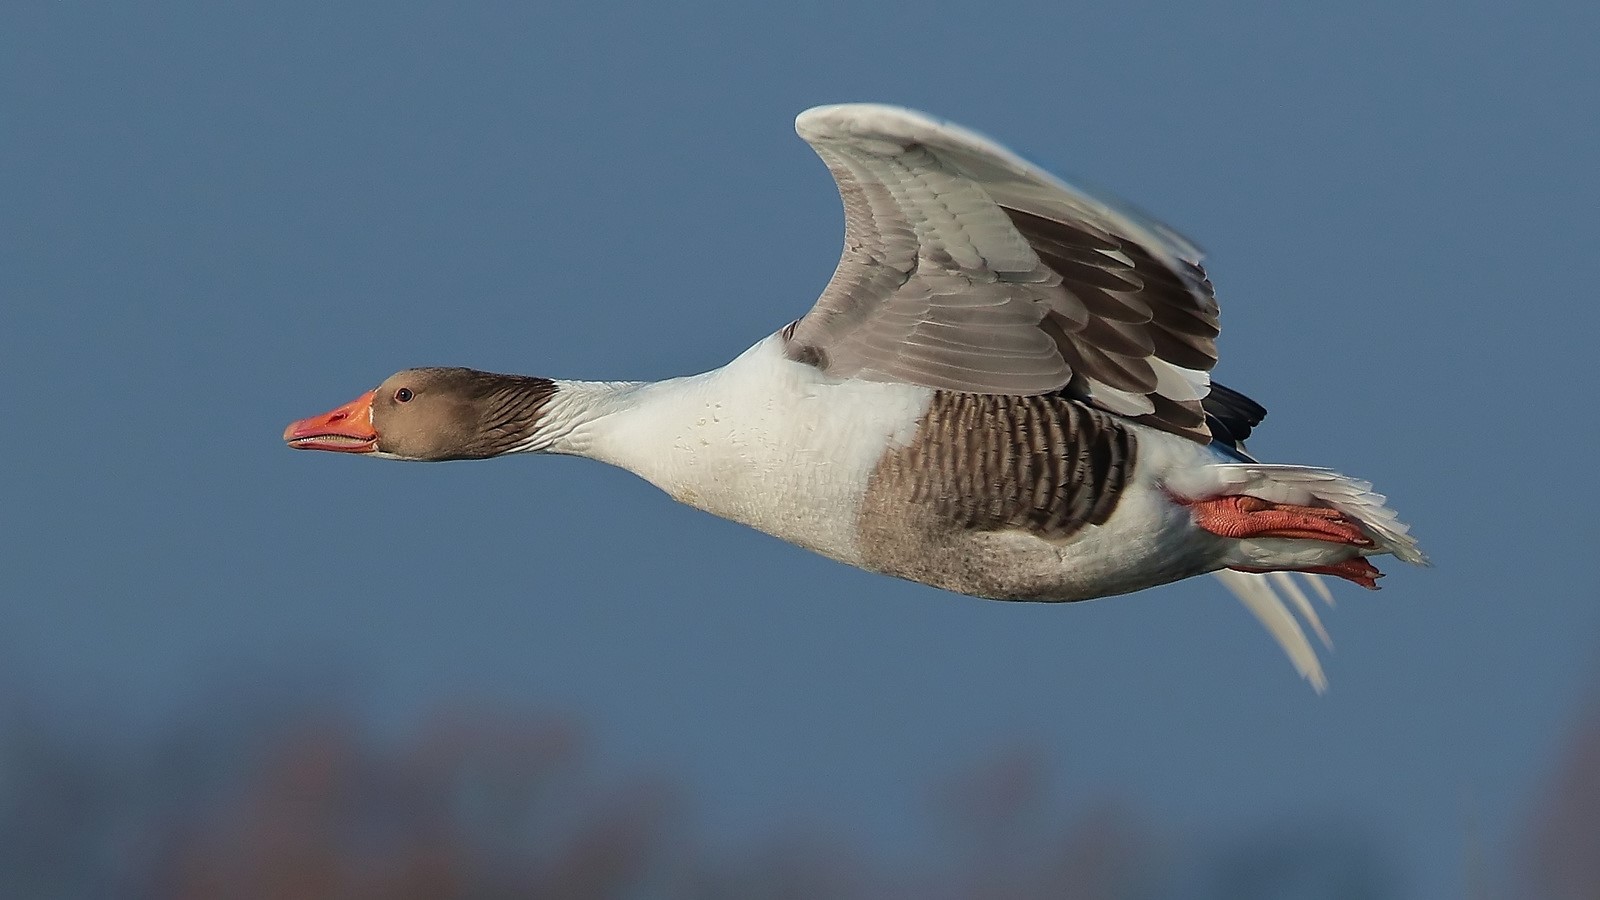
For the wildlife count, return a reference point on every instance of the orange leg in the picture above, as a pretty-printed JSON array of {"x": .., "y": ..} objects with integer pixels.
[
  {"x": 1357, "y": 570},
  {"x": 1236, "y": 516}
]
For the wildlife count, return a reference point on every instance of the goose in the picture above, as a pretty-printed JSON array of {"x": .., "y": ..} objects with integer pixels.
[{"x": 1003, "y": 391}]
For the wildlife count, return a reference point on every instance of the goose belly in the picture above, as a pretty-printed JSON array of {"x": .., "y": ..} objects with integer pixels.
[{"x": 1148, "y": 541}]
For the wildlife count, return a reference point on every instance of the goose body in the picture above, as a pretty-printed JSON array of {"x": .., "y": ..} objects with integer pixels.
[
  {"x": 1004, "y": 392},
  {"x": 843, "y": 467}
]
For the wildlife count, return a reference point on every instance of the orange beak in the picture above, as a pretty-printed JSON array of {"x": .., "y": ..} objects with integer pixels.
[{"x": 347, "y": 429}]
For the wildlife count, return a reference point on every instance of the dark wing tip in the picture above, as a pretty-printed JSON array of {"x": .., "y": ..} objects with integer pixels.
[{"x": 1231, "y": 415}]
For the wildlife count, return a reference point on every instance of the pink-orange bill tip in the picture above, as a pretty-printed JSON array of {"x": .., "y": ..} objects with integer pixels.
[{"x": 347, "y": 429}]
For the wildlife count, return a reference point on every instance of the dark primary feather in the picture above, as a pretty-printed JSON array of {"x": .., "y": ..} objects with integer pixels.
[{"x": 1231, "y": 415}]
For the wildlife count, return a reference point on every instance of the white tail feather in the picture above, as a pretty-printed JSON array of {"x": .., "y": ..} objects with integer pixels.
[
  {"x": 1258, "y": 595},
  {"x": 1285, "y": 582},
  {"x": 1320, "y": 585}
]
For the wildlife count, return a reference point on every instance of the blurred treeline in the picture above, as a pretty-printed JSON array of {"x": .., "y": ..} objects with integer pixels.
[{"x": 304, "y": 803}]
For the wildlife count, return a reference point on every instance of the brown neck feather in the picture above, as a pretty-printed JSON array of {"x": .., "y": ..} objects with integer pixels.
[{"x": 508, "y": 409}]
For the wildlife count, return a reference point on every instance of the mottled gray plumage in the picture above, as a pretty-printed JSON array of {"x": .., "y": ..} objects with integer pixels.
[
  {"x": 983, "y": 464},
  {"x": 967, "y": 269}
]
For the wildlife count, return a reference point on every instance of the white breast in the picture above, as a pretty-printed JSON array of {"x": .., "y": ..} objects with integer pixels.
[{"x": 765, "y": 441}]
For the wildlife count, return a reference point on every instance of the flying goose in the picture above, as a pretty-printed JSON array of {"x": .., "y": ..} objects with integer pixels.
[{"x": 1004, "y": 391}]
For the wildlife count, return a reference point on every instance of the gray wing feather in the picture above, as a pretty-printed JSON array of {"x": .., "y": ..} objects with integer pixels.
[{"x": 967, "y": 269}]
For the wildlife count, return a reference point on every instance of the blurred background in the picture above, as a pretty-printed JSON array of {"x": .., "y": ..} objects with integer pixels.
[{"x": 228, "y": 669}]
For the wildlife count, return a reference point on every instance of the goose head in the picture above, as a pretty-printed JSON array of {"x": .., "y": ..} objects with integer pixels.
[{"x": 431, "y": 414}]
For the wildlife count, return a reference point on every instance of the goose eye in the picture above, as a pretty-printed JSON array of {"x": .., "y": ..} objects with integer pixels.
[{"x": 403, "y": 395}]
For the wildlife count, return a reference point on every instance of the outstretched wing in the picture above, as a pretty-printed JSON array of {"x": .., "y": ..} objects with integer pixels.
[{"x": 966, "y": 268}]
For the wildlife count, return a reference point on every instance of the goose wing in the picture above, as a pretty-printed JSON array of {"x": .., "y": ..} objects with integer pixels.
[{"x": 966, "y": 268}]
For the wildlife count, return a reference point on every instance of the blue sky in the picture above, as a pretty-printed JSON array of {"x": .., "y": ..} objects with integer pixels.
[{"x": 216, "y": 219}]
